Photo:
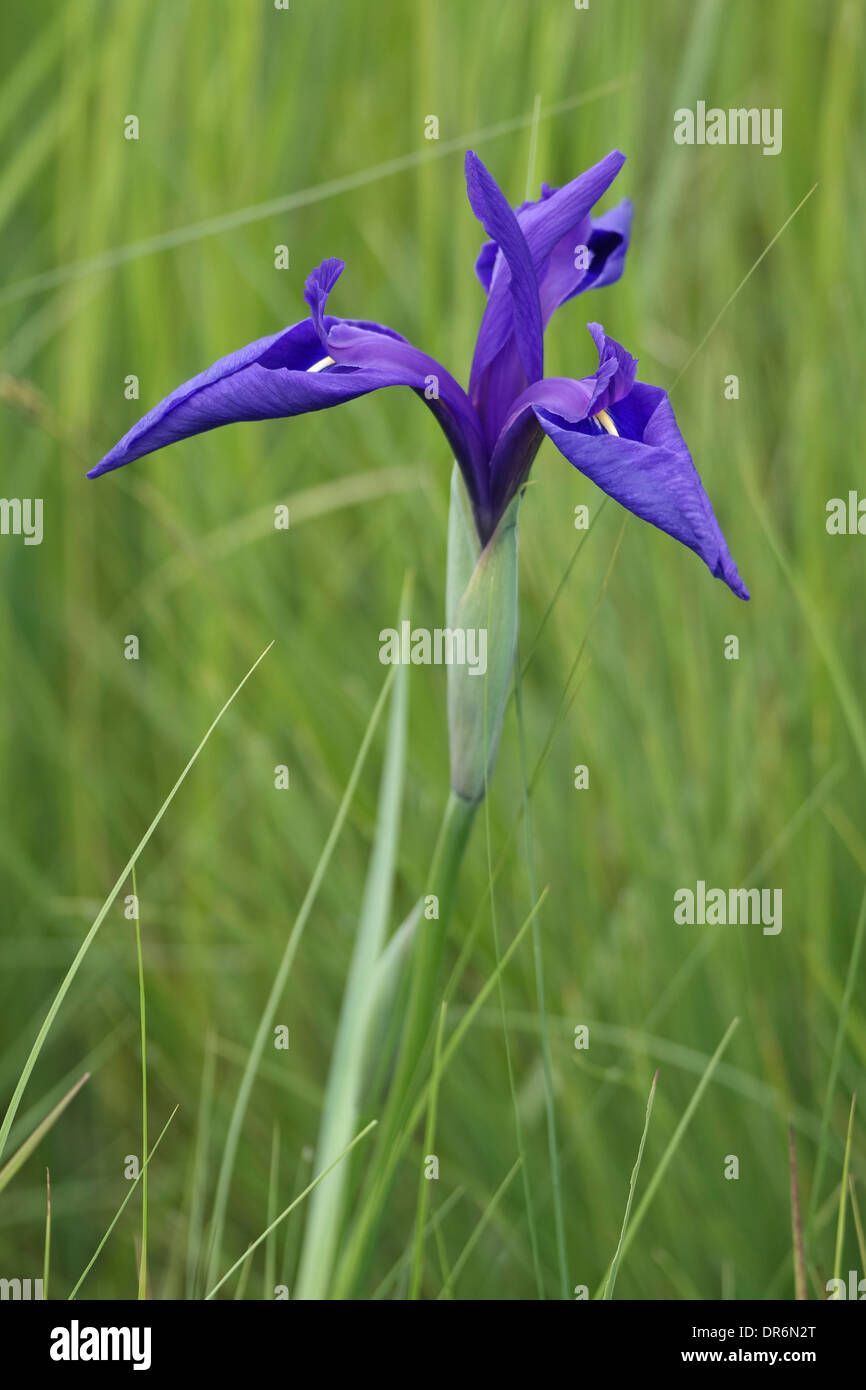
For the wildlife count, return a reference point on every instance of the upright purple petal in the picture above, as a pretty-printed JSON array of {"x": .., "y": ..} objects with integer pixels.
[
  {"x": 555, "y": 229},
  {"x": 492, "y": 209},
  {"x": 607, "y": 245},
  {"x": 591, "y": 254},
  {"x": 556, "y": 214}
]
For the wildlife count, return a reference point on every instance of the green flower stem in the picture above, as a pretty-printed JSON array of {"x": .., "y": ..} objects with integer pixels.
[{"x": 429, "y": 948}]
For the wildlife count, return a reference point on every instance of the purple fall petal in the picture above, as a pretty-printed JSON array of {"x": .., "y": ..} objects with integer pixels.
[
  {"x": 659, "y": 485},
  {"x": 266, "y": 380},
  {"x": 290, "y": 374},
  {"x": 647, "y": 468}
]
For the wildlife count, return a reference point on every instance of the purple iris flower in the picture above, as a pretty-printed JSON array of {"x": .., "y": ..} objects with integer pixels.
[{"x": 618, "y": 431}]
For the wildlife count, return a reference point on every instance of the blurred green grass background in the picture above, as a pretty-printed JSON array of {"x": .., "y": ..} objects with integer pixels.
[{"x": 699, "y": 767}]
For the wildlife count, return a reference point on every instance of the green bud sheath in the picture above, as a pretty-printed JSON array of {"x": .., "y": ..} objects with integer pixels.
[{"x": 481, "y": 598}]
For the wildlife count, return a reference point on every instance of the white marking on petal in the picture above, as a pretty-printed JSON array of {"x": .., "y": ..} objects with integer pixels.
[{"x": 320, "y": 366}]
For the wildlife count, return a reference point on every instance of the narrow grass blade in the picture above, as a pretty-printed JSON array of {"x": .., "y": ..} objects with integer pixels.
[
  {"x": 343, "y": 1090},
  {"x": 279, "y": 985},
  {"x": 503, "y": 1013},
  {"x": 611, "y": 1278},
  {"x": 835, "y": 1061},
  {"x": 120, "y": 1210},
  {"x": 423, "y": 1182},
  {"x": 241, "y": 1289},
  {"x": 473, "y": 1240},
  {"x": 432, "y": 1227},
  {"x": 858, "y": 1224},
  {"x": 546, "y": 1054},
  {"x": 46, "y": 1260},
  {"x": 675, "y": 1140},
  {"x": 290, "y": 1208},
  {"x": 386, "y": 980},
  {"x": 292, "y": 1243},
  {"x": 843, "y": 1194},
  {"x": 21, "y": 1155},
  {"x": 348, "y": 1271},
  {"x": 103, "y": 912},
  {"x": 820, "y": 629},
  {"x": 142, "y": 1267},
  {"x": 270, "y": 1276},
  {"x": 198, "y": 1184},
  {"x": 800, "y": 1286}
]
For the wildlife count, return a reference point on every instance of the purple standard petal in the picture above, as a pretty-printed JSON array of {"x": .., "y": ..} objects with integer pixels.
[
  {"x": 554, "y": 229},
  {"x": 492, "y": 209},
  {"x": 608, "y": 243},
  {"x": 560, "y": 211},
  {"x": 509, "y": 352},
  {"x": 646, "y": 465},
  {"x": 590, "y": 255}
]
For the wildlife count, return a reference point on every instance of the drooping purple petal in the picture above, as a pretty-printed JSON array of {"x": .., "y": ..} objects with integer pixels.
[
  {"x": 295, "y": 371},
  {"x": 265, "y": 380},
  {"x": 659, "y": 484},
  {"x": 646, "y": 466}
]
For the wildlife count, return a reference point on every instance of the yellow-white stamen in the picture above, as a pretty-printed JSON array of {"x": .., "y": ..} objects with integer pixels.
[
  {"x": 606, "y": 423},
  {"x": 320, "y": 366}
]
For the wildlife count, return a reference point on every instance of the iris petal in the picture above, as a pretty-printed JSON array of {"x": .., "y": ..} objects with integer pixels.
[
  {"x": 646, "y": 466},
  {"x": 591, "y": 254},
  {"x": 368, "y": 347},
  {"x": 556, "y": 214},
  {"x": 492, "y": 209},
  {"x": 552, "y": 228},
  {"x": 318, "y": 286},
  {"x": 282, "y": 376},
  {"x": 660, "y": 484}
]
